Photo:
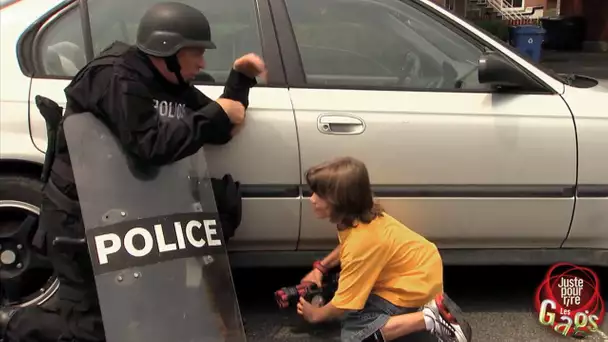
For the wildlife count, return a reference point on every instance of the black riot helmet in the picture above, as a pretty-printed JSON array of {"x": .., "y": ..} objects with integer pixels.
[{"x": 167, "y": 27}]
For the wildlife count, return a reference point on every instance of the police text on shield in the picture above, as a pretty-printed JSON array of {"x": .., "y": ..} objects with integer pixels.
[
  {"x": 157, "y": 240},
  {"x": 153, "y": 240}
]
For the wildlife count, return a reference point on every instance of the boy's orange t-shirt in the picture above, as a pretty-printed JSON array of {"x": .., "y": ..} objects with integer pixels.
[{"x": 388, "y": 259}]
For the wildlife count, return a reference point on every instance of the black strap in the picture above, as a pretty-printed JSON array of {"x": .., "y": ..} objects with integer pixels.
[
  {"x": 51, "y": 112},
  {"x": 40, "y": 236},
  {"x": 61, "y": 199},
  {"x": 63, "y": 169},
  {"x": 194, "y": 182},
  {"x": 173, "y": 66}
]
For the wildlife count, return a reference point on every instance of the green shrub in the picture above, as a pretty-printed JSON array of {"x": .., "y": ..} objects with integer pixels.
[{"x": 497, "y": 28}]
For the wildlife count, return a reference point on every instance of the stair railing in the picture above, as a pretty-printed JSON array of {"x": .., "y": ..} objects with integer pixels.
[{"x": 502, "y": 6}]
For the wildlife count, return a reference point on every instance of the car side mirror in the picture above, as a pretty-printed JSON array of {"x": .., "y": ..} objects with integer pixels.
[{"x": 496, "y": 71}]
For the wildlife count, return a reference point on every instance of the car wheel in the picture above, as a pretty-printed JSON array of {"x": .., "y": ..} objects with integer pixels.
[{"x": 26, "y": 274}]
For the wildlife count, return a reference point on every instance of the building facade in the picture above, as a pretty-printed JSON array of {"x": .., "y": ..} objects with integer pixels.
[{"x": 595, "y": 13}]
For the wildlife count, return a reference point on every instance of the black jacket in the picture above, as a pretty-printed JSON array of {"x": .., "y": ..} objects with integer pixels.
[{"x": 157, "y": 121}]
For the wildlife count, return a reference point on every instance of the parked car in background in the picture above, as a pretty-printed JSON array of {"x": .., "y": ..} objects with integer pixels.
[{"x": 490, "y": 156}]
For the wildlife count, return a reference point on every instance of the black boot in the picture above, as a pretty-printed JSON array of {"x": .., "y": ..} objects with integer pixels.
[{"x": 5, "y": 316}]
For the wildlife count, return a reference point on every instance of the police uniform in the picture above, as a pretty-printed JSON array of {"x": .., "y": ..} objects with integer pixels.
[{"x": 156, "y": 121}]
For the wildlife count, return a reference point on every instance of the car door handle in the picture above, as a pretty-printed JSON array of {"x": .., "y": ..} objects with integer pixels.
[{"x": 340, "y": 124}]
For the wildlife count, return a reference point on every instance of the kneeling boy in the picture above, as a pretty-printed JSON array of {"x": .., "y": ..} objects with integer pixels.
[{"x": 391, "y": 278}]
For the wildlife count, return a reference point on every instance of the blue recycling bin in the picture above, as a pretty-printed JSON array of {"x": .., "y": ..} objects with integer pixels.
[{"x": 528, "y": 39}]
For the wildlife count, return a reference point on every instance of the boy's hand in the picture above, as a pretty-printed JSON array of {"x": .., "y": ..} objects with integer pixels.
[
  {"x": 314, "y": 276},
  {"x": 307, "y": 310}
]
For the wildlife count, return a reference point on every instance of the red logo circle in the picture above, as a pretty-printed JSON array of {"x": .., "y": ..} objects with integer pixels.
[{"x": 569, "y": 300}]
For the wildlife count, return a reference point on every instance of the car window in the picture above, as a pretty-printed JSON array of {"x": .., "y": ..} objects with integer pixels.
[
  {"x": 234, "y": 29},
  {"x": 550, "y": 72},
  {"x": 61, "y": 46},
  {"x": 380, "y": 43}
]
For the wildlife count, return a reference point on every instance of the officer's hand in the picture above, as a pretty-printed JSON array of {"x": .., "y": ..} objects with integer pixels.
[
  {"x": 236, "y": 129},
  {"x": 234, "y": 109},
  {"x": 251, "y": 65}
]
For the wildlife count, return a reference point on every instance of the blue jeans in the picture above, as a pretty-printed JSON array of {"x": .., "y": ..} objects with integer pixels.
[{"x": 360, "y": 324}]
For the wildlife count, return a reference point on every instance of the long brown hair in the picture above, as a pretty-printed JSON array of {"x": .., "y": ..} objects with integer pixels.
[{"x": 344, "y": 183}]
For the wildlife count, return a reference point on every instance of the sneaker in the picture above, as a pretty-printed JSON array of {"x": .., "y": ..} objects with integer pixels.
[{"x": 449, "y": 324}]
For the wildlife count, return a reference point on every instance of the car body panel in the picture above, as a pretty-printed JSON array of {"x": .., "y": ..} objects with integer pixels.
[
  {"x": 15, "y": 140},
  {"x": 265, "y": 158},
  {"x": 426, "y": 150},
  {"x": 500, "y": 168},
  {"x": 591, "y": 216}
]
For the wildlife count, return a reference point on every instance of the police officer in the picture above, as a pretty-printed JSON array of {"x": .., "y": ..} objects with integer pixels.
[{"x": 142, "y": 93}]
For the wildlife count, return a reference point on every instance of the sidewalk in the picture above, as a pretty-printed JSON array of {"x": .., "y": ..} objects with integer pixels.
[{"x": 593, "y": 64}]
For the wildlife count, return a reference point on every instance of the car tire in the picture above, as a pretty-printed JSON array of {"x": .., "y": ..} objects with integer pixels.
[
  {"x": 21, "y": 196},
  {"x": 21, "y": 189}
]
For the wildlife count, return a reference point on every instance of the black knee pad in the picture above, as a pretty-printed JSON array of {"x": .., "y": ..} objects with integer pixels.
[{"x": 375, "y": 337}]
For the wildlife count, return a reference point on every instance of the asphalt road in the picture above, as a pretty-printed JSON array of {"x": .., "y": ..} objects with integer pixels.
[
  {"x": 592, "y": 64},
  {"x": 497, "y": 300}
]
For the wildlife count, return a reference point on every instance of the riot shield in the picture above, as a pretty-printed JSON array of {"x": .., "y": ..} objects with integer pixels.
[{"x": 155, "y": 241}]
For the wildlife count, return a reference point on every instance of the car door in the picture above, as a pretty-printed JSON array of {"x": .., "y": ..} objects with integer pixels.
[
  {"x": 394, "y": 84},
  {"x": 263, "y": 157}
]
